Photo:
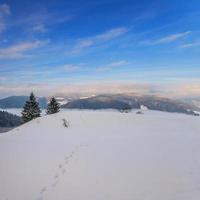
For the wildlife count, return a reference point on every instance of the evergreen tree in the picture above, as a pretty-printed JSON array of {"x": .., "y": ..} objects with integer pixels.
[
  {"x": 31, "y": 109},
  {"x": 53, "y": 106}
]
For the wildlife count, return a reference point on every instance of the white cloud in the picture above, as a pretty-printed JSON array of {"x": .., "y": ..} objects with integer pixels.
[
  {"x": 169, "y": 38},
  {"x": 4, "y": 10},
  {"x": 145, "y": 15},
  {"x": 118, "y": 63},
  {"x": 112, "y": 65},
  {"x": 70, "y": 67},
  {"x": 40, "y": 20},
  {"x": 39, "y": 28},
  {"x": 3, "y": 78},
  {"x": 18, "y": 50},
  {"x": 113, "y": 33},
  {"x": 84, "y": 44},
  {"x": 98, "y": 39},
  {"x": 189, "y": 45},
  {"x": 4, "y": 13}
]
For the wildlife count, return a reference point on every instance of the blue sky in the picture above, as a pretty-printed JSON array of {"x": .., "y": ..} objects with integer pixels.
[{"x": 58, "y": 44}]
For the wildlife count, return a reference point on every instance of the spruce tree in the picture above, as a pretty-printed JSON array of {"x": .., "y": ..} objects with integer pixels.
[
  {"x": 53, "y": 106},
  {"x": 31, "y": 109}
]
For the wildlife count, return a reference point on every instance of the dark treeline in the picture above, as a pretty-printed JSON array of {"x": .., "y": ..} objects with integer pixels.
[
  {"x": 9, "y": 120},
  {"x": 31, "y": 110}
]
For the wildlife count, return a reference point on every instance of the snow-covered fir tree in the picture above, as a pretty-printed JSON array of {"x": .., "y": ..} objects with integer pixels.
[
  {"x": 31, "y": 109},
  {"x": 53, "y": 106}
]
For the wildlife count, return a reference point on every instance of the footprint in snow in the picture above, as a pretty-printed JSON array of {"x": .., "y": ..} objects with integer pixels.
[
  {"x": 72, "y": 154},
  {"x": 63, "y": 171},
  {"x": 67, "y": 158},
  {"x": 55, "y": 183},
  {"x": 40, "y": 198},
  {"x": 66, "y": 162},
  {"x": 61, "y": 167},
  {"x": 43, "y": 190},
  {"x": 56, "y": 176}
]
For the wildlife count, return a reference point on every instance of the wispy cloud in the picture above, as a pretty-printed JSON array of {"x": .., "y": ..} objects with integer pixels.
[
  {"x": 113, "y": 33},
  {"x": 38, "y": 28},
  {"x": 19, "y": 50},
  {"x": 145, "y": 15},
  {"x": 40, "y": 21},
  {"x": 98, "y": 39},
  {"x": 70, "y": 68},
  {"x": 190, "y": 45},
  {"x": 168, "y": 39},
  {"x": 112, "y": 65},
  {"x": 4, "y": 13},
  {"x": 3, "y": 78},
  {"x": 118, "y": 63},
  {"x": 4, "y": 9}
]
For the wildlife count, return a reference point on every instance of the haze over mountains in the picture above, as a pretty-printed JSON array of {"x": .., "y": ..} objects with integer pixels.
[
  {"x": 110, "y": 101},
  {"x": 132, "y": 101}
]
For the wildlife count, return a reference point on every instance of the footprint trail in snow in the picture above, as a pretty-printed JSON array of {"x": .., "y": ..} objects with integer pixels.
[{"x": 61, "y": 171}]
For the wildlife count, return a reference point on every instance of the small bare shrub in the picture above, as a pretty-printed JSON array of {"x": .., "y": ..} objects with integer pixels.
[
  {"x": 65, "y": 123},
  {"x": 139, "y": 112}
]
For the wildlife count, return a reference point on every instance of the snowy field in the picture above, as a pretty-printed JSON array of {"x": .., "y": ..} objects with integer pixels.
[{"x": 103, "y": 155}]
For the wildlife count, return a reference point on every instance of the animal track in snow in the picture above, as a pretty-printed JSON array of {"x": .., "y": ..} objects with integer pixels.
[
  {"x": 61, "y": 170},
  {"x": 54, "y": 184},
  {"x": 66, "y": 162},
  {"x": 66, "y": 157},
  {"x": 56, "y": 176},
  {"x": 44, "y": 189}
]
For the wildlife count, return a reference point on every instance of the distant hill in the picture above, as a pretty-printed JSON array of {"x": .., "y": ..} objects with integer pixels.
[
  {"x": 99, "y": 102},
  {"x": 19, "y": 101},
  {"x": 123, "y": 101},
  {"x": 9, "y": 120}
]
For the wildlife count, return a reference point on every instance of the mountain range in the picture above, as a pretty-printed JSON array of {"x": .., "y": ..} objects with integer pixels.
[
  {"x": 8, "y": 121},
  {"x": 132, "y": 101},
  {"x": 19, "y": 101},
  {"x": 110, "y": 101}
]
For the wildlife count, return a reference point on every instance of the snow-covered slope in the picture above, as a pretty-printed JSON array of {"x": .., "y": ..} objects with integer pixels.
[{"x": 103, "y": 155}]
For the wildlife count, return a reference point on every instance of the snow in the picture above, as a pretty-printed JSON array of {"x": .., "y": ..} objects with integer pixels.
[
  {"x": 84, "y": 97},
  {"x": 103, "y": 155},
  {"x": 17, "y": 111},
  {"x": 142, "y": 107},
  {"x": 61, "y": 100}
]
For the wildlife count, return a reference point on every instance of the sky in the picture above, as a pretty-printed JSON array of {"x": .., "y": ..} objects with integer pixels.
[{"x": 62, "y": 46}]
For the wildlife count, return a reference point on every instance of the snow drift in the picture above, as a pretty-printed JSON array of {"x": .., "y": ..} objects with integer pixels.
[{"x": 102, "y": 155}]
